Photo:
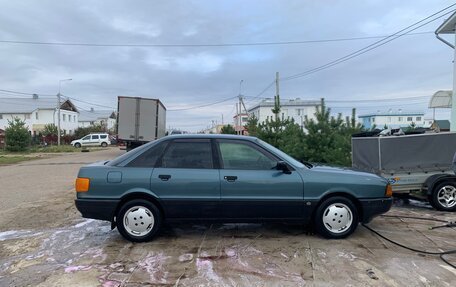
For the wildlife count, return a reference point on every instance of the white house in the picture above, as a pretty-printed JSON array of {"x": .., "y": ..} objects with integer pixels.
[
  {"x": 38, "y": 112},
  {"x": 296, "y": 109},
  {"x": 106, "y": 118},
  {"x": 392, "y": 119}
]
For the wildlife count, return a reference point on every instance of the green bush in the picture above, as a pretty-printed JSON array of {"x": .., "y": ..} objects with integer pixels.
[{"x": 17, "y": 136}]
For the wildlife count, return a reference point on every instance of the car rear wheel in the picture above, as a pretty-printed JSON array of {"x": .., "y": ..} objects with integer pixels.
[
  {"x": 336, "y": 217},
  {"x": 77, "y": 145},
  {"x": 443, "y": 196},
  {"x": 138, "y": 220},
  {"x": 103, "y": 144}
]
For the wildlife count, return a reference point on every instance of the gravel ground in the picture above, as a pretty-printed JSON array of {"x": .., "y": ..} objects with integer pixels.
[{"x": 45, "y": 242}]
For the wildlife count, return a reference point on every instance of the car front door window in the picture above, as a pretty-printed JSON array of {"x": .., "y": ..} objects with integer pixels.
[{"x": 236, "y": 155}]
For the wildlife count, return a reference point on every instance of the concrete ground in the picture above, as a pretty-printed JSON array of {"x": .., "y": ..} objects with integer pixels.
[{"x": 45, "y": 242}]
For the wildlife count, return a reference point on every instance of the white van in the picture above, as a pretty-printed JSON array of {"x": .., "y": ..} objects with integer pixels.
[{"x": 92, "y": 140}]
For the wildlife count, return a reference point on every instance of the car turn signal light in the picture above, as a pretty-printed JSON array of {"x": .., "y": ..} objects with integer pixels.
[
  {"x": 389, "y": 190},
  {"x": 82, "y": 184}
]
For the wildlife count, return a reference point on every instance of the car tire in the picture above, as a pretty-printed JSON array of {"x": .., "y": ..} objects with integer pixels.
[
  {"x": 103, "y": 144},
  {"x": 443, "y": 196},
  {"x": 77, "y": 145},
  {"x": 138, "y": 220},
  {"x": 336, "y": 218}
]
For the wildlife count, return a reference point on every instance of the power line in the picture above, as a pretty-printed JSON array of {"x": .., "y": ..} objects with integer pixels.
[
  {"x": 90, "y": 103},
  {"x": 201, "y": 106},
  {"x": 373, "y": 45},
  {"x": 238, "y": 44}
]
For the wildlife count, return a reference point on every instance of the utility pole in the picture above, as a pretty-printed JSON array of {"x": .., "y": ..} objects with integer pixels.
[
  {"x": 58, "y": 110},
  {"x": 277, "y": 98}
]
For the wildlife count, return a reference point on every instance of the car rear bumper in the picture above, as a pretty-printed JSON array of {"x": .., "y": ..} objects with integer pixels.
[
  {"x": 97, "y": 208},
  {"x": 373, "y": 207}
]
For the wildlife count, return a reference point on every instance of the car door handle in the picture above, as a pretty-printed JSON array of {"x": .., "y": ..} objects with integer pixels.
[
  {"x": 230, "y": 178},
  {"x": 164, "y": 177}
]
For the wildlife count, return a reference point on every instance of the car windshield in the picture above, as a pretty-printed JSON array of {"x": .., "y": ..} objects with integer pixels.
[{"x": 281, "y": 154}]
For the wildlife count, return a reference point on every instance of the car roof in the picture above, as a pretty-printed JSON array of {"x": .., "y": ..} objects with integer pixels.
[{"x": 210, "y": 136}]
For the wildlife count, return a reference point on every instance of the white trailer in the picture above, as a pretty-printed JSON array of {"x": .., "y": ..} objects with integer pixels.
[
  {"x": 140, "y": 120},
  {"x": 419, "y": 166}
]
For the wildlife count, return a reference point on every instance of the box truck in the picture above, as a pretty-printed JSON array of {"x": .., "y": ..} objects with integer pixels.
[{"x": 139, "y": 120}]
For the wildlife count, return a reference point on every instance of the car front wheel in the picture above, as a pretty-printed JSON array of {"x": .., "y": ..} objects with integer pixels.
[
  {"x": 77, "y": 145},
  {"x": 336, "y": 218},
  {"x": 138, "y": 220}
]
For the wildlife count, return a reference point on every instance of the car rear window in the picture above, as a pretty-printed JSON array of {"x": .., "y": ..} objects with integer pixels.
[
  {"x": 188, "y": 154},
  {"x": 149, "y": 157},
  {"x": 103, "y": 136}
]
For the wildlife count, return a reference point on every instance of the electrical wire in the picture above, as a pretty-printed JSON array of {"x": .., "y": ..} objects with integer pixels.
[
  {"x": 276, "y": 43},
  {"x": 201, "y": 106},
  {"x": 440, "y": 253},
  {"x": 373, "y": 45}
]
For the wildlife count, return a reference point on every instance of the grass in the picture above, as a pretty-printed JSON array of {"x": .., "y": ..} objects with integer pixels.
[
  {"x": 4, "y": 160},
  {"x": 48, "y": 149}
]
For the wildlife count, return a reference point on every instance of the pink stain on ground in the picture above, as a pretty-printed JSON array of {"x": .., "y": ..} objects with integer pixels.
[
  {"x": 205, "y": 268},
  {"x": 154, "y": 265}
]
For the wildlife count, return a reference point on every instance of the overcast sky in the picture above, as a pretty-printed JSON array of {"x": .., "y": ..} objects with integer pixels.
[{"x": 411, "y": 66}]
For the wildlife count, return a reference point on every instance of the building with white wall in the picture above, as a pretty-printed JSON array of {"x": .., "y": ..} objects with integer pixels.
[
  {"x": 392, "y": 119},
  {"x": 92, "y": 117},
  {"x": 37, "y": 112},
  {"x": 295, "y": 109}
]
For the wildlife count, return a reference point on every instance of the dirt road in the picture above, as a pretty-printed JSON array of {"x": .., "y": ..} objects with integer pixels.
[
  {"x": 40, "y": 192},
  {"x": 45, "y": 242}
]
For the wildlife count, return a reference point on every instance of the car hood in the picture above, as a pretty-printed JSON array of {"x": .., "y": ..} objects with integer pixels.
[{"x": 345, "y": 171}]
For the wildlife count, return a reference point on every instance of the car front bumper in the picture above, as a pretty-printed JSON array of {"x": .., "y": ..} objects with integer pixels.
[
  {"x": 373, "y": 207},
  {"x": 102, "y": 209}
]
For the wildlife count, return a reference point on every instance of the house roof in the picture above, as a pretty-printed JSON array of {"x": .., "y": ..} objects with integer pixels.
[
  {"x": 28, "y": 105},
  {"x": 447, "y": 26},
  {"x": 285, "y": 103},
  {"x": 394, "y": 113},
  {"x": 93, "y": 115},
  {"x": 443, "y": 124}
]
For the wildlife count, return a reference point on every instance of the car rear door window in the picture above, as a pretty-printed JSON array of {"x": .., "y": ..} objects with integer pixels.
[
  {"x": 188, "y": 154},
  {"x": 94, "y": 137},
  {"x": 149, "y": 157},
  {"x": 243, "y": 155}
]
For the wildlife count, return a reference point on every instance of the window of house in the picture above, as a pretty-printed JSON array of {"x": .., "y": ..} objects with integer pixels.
[
  {"x": 418, "y": 118},
  {"x": 36, "y": 115},
  {"x": 409, "y": 119},
  {"x": 399, "y": 119},
  {"x": 373, "y": 120},
  {"x": 64, "y": 117},
  {"x": 298, "y": 112},
  {"x": 27, "y": 116},
  {"x": 188, "y": 154},
  {"x": 1, "y": 117},
  {"x": 244, "y": 156}
]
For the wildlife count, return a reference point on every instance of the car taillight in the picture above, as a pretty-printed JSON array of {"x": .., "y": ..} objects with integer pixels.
[
  {"x": 389, "y": 190},
  {"x": 82, "y": 184}
]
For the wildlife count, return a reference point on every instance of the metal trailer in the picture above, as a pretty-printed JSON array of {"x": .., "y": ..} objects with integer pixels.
[
  {"x": 140, "y": 120},
  {"x": 418, "y": 166}
]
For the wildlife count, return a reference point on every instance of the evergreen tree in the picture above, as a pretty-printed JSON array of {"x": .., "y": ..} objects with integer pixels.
[
  {"x": 228, "y": 129},
  {"x": 17, "y": 136}
]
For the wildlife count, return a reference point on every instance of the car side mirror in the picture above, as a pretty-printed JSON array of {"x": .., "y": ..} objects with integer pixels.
[{"x": 283, "y": 166}]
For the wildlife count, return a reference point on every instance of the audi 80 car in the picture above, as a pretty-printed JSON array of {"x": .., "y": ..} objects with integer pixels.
[{"x": 225, "y": 178}]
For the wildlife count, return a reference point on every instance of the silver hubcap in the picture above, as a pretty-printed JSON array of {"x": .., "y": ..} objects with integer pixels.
[
  {"x": 337, "y": 218},
  {"x": 138, "y": 221},
  {"x": 447, "y": 196}
]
